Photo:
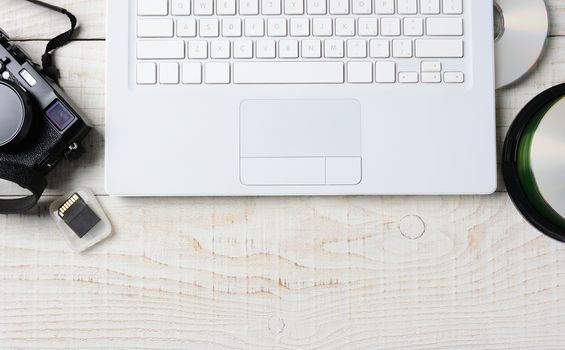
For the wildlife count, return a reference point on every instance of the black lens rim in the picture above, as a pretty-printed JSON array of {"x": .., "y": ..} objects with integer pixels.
[{"x": 509, "y": 160}]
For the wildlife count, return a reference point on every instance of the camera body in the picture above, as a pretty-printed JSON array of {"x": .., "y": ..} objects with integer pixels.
[{"x": 38, "y": 125}]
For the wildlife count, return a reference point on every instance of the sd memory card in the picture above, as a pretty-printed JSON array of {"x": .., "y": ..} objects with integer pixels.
[
  {"x": 78, "y": 215},
  {"x": 81, "y": 219}
]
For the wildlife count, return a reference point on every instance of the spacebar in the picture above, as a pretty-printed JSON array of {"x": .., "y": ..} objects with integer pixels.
[{"x": 288, "y": 72}]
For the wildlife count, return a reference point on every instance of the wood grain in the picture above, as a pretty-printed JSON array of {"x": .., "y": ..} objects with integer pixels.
[
  {"x": 25, "y": 21},
  {"x": 274, "y": 273}
]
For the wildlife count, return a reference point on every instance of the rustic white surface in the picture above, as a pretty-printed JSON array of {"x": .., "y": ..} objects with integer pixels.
[{"x": 274, "y": 273}]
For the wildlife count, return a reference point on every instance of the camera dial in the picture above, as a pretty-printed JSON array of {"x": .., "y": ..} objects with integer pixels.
[{"x": 15, "y": 114}]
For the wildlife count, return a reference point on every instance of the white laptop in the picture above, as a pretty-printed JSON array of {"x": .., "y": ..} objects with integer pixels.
[{"x": 300, "y": 97}]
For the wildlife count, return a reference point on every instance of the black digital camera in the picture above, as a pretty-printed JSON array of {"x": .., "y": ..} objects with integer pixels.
[{"x": 38, "y": 125}]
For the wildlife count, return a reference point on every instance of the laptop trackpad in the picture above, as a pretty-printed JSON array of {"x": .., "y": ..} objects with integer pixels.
[{"x": 300, "y": 142}]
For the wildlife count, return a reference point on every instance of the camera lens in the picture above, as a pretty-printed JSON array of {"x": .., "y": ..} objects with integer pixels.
[{"x": 15, "y": 114}]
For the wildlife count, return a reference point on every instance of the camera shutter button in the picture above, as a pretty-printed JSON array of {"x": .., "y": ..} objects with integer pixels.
[{"x": 15, "y": 116}]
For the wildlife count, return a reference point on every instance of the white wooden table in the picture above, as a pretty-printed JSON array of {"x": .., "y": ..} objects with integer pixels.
[{"x": 274, "y": 273}]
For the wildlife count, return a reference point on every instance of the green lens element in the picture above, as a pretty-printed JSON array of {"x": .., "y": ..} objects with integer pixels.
[{"x": 525, "y": 173}]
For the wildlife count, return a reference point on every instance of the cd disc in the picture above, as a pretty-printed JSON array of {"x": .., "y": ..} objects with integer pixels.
[
  {"x": 539, "y": 166},
  {"x": 522, "y": 28},
  {"x": 548, "y": 157}
]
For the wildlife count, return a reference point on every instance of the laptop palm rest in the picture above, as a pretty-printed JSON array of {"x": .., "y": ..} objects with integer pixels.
[{"x": 300, "y": 142}]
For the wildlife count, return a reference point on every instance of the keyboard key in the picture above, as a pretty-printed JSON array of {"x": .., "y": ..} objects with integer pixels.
[
  {"x": 359, "y": 72},
  {"x": 345, "y": 26},
  {"x": 271, "y": 7},
  {"x": 169, "y": 73},
  {"x": 311, "y": 48},
  {"x": 390, "y": 26},
  {"x": 266, "y": 48},
  {"x": 155, "y": 28},
  {"x": 203, "y": 7},
  {"x": 191, "y": 73},
  {"x": 186, "y": 28},
  {"x": 276, "y": 27},
  {"x": 225, "y": 7},
  {"x": 293, "y": 7},
  {"x": 429, "y": 77},
  {"x": 322, "y": 26},
  {"x": 407, "y": 7},
  {"x": 430, "y": 66},
  {"x": 249, "y": 7},
  {"x": 146, "y": 73},
  {"x": 368, "y": 26},
  {"x": 429, "y": 7},
  {"x": 231, "y": 27},
  {"x": 299, "y": 27},
  {"x": 454, "y": 77},
  {"x": 333, "y": 49},
  {"x": 439, "y": 48},
  {"x": 408, "y": 77},
  {"x": 339, "y": 7},
  {"x": 220, "y": 49},
  {"x": 288, "y": 49},
  {"x": 444, "y": 26},
  {"x": 385, "y": 72},
  {"x": 356, "y": 48},
  {"x": 285, "y": 72},
  {"x": 180, "y": 7},
  {"x": 152, "y": 7},
  {"x": 209, "y": 28},
  {"x": 453, "y": 7},
  {"x": 413, "y": 27},
  {"x": 197, "y": 49},
  {"x": 243, "y": 49},
  {"x": 362, "y": 7},
  {"x": 254, "y": 27},
  {"x": 160, "y": 49},
  {"x": 316, "y": 7},
  {"x": 379, "y": 48},
  {"x": 384, "y": 7},
  {"x": 217, "y": 73},
  {"x": 402, "y": 48}
]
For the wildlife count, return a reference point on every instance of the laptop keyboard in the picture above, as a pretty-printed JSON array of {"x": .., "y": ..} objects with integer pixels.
[{"x": 300, "y": 42}]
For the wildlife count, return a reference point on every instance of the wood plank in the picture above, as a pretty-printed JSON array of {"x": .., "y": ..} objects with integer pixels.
[
  {"x": 22, "y": 20},
  {"x": 556, "y": 10},
  {"x": 275, "y": 273},
  {"x": 287, "y": 273}
]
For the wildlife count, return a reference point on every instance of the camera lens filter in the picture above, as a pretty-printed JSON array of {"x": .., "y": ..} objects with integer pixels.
[
  {"x": 534, "y": 162},
  {"x": 14, "y": 118}
]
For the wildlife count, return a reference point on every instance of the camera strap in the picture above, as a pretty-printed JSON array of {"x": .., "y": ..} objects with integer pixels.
[
  {"x": 60, "y": 40},
  {"x": 28, "y": 178}
]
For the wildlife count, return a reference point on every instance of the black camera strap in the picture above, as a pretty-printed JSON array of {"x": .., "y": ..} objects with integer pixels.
[
  {"x": 31, "y": 179},
  {"x": 28, "y": 178},
  {"x": 60, "y": 40}
]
